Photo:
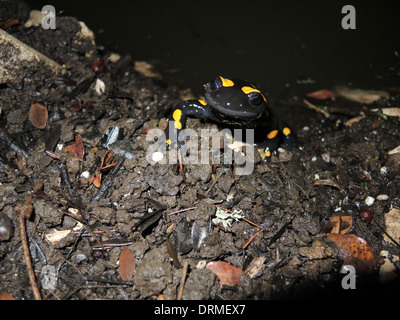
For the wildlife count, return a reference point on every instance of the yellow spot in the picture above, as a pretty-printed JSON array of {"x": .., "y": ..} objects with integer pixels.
[
  {"x": 267, "y": 153},
  {"x": 168, "y": 141},
  {"x": 203, "y": 102},
  {"x": 227, "y": 82},
  {"x": 272, "y": 134},
  {"x": 247, "y": 90},
  {"x": 177, "y": 117},
  {"x": 286, "y": 131}
]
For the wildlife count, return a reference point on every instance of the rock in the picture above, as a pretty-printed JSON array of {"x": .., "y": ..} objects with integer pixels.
[
  {"x": 198, "y": 172},
  {"x": 225, "y": 182},
  {"x": 387, "y": 271},
  {"x": 166, "y": 185},
  {"x": 50, "y": 215},
  {"x": 154, "y": 274},
  {"x": 200, "y": 285},
  {"x": 17, "y": 58},
  {"x": 60, "y": 238},
  {"x": 308, "y": 223},
  {"x": 392, "y": 223},
  {"x": 6, "y": 227},
  {"x": 202, "y": 214},
  {"x": 104, "y": 214},
  {"x": 318, "y": 250}
]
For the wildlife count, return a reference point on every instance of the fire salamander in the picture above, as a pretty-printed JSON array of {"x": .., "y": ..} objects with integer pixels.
[{"x": 237, "y": 103}]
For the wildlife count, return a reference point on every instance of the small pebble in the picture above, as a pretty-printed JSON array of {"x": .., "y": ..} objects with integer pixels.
[
  {"x": 100, "y": 87},
  {"x": 6, "y": 227},
  {"x": 382, "y": 197},
  {"x": 85, "y": 174},
  {"x": 369, "y": 200},
  {"x": 157, "y": 156},
  {"x": 326, "y": 157},
  {"x": 384, "y": 171},
  {"x": 80, "y": 257}
]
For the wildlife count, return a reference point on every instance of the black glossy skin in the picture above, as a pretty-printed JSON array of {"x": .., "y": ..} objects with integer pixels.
[{"x": 234, "y": 103}]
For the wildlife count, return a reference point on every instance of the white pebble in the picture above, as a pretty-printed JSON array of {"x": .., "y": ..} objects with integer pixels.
[
  {"x": 85, "y": 174},
  {"x": 201, "y": 264},
  {"x": 100, "y": 87},
  {"x": 369, "y": 200},
  {"x": 326, "y": 157},
  {"x": 157, "y": 156},
  {"x": 382, "y": 197}
]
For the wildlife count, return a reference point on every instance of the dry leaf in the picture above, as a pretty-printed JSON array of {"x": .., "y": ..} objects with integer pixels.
[
  {"x": 394, "y": 151},
  {"x": 342, "y": 222},
  {"x": 362, "y": 96},
  {"x": 38, "y": 115},
  {"x": 105, "y": 165},
  {"x": 55, "y": 236},
  {"x": 327, "y": 182},
  {"x": 392, "y": 224},
  {"x": 391, "y": 112},
  {"x": 355, "y": 251},
  {"x": 322, "y": 94},
  {"x": 227, "y": 273},
  {"x": 127, "y": 264},
  {"x": 4, "y": 295},
  {"x": 146, "y": 69},
  {"x": 255, "y": 267},
  {"x": 350, "y": 122},
  {"x": 77, "y": 148}
]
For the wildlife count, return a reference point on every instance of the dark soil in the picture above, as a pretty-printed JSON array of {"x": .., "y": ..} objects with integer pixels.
[{"x": 279, "y": 195}]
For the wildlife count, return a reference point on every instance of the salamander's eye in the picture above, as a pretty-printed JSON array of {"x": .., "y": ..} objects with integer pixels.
[
  {"x": 215, "y": 84},
  {"x": 255, "y": 98}
]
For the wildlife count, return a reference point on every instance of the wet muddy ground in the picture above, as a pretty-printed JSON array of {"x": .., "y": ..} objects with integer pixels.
[{"x": 165, "y": 215}]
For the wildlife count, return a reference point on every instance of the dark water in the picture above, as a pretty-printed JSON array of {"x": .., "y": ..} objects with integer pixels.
[{"x": 281, "y": 45}]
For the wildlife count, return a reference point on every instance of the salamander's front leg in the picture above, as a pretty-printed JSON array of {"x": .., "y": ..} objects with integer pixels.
[{"x": 177, "y": 121}]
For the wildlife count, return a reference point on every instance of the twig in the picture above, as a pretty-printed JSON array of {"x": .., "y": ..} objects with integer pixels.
[
  {"x": 180, "y": 164},
  {"x": 28, "y": 260},
  {"x": 318, "y": 109},
  {"x": 214, "y": 182},
  {"x": 248, "y": 221},
  {"x": 182, "y": 285},
  {"x": 24, "y": 211},
  {"x": 252, "y": 238},
  {"x": 54, "y": 294},
  {"x": 183, "y": 210}
]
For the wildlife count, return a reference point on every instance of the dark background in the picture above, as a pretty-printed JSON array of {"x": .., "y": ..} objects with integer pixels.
[{"x": 277, "y": 44}]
